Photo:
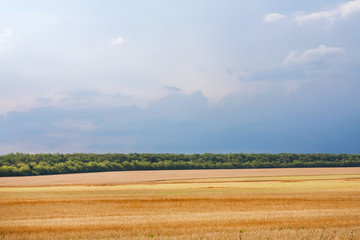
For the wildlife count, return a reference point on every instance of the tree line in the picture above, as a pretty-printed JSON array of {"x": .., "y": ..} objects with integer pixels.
[{"x": 20, "y": 164}]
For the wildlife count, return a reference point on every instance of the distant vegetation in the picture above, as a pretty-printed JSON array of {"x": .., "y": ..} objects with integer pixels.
[{"x": 21, "y": 164}]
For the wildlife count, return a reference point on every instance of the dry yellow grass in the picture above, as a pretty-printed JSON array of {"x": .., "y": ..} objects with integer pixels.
[
  {"x": 309, "y": 207},
  {"x": 121, "y": 177}
]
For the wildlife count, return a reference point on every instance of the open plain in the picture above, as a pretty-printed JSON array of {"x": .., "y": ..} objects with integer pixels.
[{"x": 265, "y": 204}]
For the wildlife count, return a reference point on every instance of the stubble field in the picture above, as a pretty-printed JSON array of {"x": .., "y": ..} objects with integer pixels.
[{"x": 323, "y": 205}]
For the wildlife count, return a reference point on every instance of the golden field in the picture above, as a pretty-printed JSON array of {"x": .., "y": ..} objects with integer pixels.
[{"x": 324, "y": 206}]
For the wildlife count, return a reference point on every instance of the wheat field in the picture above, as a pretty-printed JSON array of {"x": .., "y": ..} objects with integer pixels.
[{"x": 271, "y": 207}]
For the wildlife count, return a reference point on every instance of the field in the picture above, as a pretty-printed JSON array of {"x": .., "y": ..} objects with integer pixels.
[{"x": 266, "y": 204}]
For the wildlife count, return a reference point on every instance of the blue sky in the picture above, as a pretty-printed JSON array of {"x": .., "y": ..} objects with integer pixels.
[{"x": 180, "y": 76}]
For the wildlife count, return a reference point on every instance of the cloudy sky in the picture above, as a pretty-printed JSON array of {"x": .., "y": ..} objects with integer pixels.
[{"x": 180, "y": 76}]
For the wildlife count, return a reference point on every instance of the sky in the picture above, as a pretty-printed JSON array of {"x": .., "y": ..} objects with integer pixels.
[{"x": 179, "y": 76}]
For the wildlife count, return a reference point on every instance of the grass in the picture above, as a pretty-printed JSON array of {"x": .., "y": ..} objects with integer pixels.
[{"x": 298, "y": 207}]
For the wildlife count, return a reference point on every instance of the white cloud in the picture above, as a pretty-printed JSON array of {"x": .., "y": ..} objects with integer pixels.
[
  {"x": 292, "y": 86},
  {"x": 118, "y": 41},
  {"x": 331, "y": 16},
  {"x": 4, "y": 36},
  {"x": 311, "y": 55},
  {"x": 349, "y": 8},
  {"x": 273, "y": 17},
  {"x": 327, "y": 16}
]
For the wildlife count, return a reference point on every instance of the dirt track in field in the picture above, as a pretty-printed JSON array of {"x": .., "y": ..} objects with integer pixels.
[{"x": 123, "y": 177}]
